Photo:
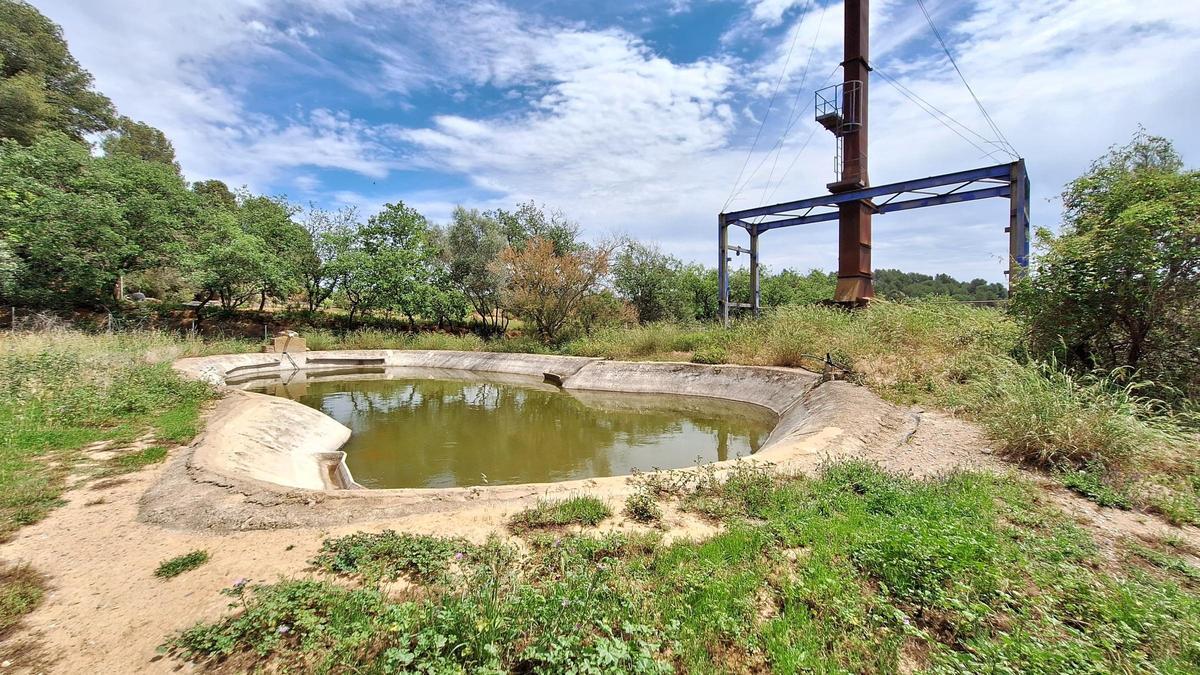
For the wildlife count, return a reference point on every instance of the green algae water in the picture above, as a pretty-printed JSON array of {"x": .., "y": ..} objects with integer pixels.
[{"x": 429, "y": 432}]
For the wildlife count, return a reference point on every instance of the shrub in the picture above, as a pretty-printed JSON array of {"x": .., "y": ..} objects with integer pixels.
[{"x": 711, "y": 354}]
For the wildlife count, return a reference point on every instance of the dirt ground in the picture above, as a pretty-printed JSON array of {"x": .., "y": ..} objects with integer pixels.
[{"x": 105, "y": 612}]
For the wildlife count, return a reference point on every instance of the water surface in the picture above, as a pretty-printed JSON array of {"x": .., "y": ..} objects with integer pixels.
[{"x": 434, "y": 431}]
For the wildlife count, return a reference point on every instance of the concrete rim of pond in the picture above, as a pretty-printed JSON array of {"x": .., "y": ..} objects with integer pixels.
[{"x": 263, "y": 461}]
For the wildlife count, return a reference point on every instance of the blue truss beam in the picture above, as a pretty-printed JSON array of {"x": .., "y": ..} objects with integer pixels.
[
  {"x": 950, "y": 198},
  {"x": 998, "y": 172}
]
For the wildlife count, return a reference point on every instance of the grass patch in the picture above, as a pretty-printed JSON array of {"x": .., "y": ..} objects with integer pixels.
[
  {"x": 1091, "y": 482},
  {"x": 387, "y": 556},
  {"x": 1168, "y": 562},
  {"x": 21, "y": 591},
  {"x": 132, "y": 461},
  {"x": 552, "y": 513},
  {"x": 61, "y": 390},
  {"x": 852, "y": 571},
  {"x": 187, "y": 562}
]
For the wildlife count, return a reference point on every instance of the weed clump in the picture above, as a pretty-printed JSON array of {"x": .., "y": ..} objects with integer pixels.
[
  {"x": 133, "y": 461},
  {"x": 641, "y": 507},
  {"x": 388, "y": 555},
  {"x": 21, "y": 591},
  {"x": 580, "y": 510},
  {"x": 187, "y": 562}
]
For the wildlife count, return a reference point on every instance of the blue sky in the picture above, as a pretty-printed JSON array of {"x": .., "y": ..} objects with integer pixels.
[{"x": 636, "y": 117}]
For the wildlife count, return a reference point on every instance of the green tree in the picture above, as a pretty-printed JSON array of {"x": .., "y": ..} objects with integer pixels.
[
  {"x": 652, "y": 282},
  {"x": 473, "y": 243},
  {"x": 215, "y": 194},
  {"x": 78, "y": 223},
  {"x": 530, "y": 221},
  {"x": 1120, "y": 285},
  {"x": 138, "y": 139},
  {"x": 898, "y": 285},
  {"x": 329, "y": 236},
  {"x": 42, "y": 87},
  {"x": 390, "y": 264},
  {"x": 285, "y": 243},
  {"x": 229, "y": 264},
  {"x": 789, "y": 287}
]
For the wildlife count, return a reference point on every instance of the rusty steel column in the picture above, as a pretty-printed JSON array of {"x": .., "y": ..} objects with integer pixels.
[{"x": 855, "y": 279}]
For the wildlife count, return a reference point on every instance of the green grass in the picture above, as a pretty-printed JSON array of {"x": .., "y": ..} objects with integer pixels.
[
  {"x": 21, "y": 591},
  {"x": 131, "y": 461},
  {"x": 1168, "y": 562},
  {"x": 169, "y": 569},
  {"x": 61, "y": 390},
  {"x": 552, "y": 513},
  {"x": 389, "y": 555},
  {"x": 856, "y": 570},
  {"x": 1091, "y": 482}
]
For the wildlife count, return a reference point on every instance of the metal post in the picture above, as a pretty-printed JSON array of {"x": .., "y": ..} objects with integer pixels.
[
  {"x": 754, "y": 290},
  {"x": 855, "y": 279},
  {"x": 1018, "y": 224},
  {"x": 723, "y": 269}
]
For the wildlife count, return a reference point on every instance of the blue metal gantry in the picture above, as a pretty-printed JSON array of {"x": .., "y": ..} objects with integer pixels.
[{"x": 1002, "y": 180}]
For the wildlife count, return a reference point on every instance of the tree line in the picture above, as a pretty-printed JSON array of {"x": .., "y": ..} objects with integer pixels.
[{"x": 87, "y": 225}]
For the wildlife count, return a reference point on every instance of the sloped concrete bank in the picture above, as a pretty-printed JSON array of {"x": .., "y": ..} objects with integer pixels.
[{"x": 267, "y": 462}]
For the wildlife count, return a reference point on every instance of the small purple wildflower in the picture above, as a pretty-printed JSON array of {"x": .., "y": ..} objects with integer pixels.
[
  {"x": 283, "y": 628},
  {"x": 458, "y": 556}
]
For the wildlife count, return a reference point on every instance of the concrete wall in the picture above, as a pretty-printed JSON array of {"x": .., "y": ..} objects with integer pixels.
[{"x": 276, "y": 441}]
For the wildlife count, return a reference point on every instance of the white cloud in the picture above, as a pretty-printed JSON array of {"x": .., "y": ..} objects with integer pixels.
[{"x": 620, "y": 137}]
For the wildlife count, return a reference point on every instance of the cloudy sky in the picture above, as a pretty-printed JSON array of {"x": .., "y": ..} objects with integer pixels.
[{"x": 637, "y": 116}]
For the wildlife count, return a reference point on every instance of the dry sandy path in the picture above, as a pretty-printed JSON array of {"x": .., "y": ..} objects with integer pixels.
[{"x": 106, "y": 612}]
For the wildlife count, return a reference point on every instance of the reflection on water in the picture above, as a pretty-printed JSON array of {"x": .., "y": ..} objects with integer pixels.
[{"x": 420, "y": 432}]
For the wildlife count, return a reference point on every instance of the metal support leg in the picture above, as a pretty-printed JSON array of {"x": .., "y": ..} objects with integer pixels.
[
  {"x": 723, "y": 269},
  {"x": 754, "y": 289},
  {"x": 1018, "y": 224}
]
